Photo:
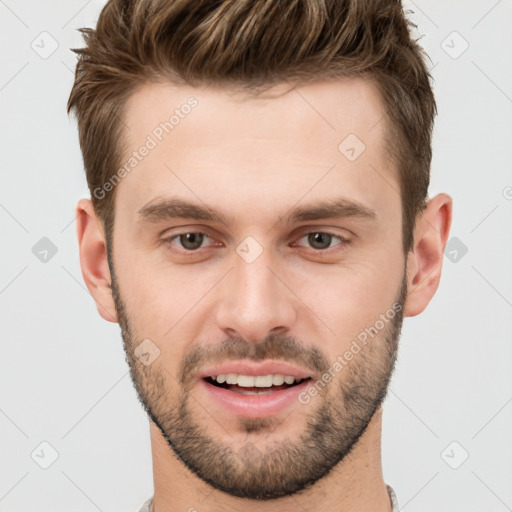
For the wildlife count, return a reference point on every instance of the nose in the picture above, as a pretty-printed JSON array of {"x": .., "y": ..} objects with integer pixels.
[{"x": 256, "y": 300}]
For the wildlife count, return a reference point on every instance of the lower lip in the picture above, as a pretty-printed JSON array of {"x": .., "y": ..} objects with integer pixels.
[{"x": 254, "y": 406}]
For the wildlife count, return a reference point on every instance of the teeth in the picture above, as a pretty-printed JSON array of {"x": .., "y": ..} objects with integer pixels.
[
  {"x": 231, "y": 378},
  {"x": 260, "y": 381},
  {"x": 277, "y": 380}
]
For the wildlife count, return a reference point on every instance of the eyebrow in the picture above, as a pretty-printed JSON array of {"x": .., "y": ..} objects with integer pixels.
[{"x": 174, "y": 208}]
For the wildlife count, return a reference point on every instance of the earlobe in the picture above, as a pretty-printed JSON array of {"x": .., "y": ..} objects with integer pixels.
[
  {"x": 93, "y": 259},
  {"x": 425, "y": 261}
]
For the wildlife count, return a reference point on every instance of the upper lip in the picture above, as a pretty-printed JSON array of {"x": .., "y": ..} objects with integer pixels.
[{"x": 254, "y": 369}]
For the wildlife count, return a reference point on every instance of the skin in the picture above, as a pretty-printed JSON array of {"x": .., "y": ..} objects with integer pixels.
[{"x": 254, "y": 160}]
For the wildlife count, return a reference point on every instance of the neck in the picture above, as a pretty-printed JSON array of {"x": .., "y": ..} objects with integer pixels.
[{"x": 355, "y": 484}]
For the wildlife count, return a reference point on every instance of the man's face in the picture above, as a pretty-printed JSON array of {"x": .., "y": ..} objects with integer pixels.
[{"x": 264, "y": 285}]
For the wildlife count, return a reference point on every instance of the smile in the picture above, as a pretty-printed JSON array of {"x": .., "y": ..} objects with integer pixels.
[
  {"x": 251, "y": 400},
  {"x": 254, "y": 385}
]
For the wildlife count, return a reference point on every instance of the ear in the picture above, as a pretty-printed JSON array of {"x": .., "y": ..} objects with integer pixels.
[
  {"x": 425, "y": 260},
  {"x": 93, "y": 259}
]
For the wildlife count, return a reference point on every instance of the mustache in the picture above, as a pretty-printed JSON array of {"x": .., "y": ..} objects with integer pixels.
[{"x": 274, "y": 346}]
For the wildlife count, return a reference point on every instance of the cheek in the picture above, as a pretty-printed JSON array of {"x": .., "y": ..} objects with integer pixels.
[
  {"x": 160, "y": 300},
  {"x": 349, "y": 299}
]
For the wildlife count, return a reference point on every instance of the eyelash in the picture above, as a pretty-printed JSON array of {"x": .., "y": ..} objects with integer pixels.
[{"x": 168, "y": 241}]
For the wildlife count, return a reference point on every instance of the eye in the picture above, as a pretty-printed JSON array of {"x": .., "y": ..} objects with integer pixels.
[
  {"x": 190, "y": 241},
  {"x": 321, "y": 240}
]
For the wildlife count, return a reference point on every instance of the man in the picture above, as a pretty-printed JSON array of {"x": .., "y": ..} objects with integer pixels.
[{"x": 259, "y": 227}]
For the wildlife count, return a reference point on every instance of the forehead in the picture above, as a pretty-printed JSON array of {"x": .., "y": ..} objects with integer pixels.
[
  {"x": 328, "y": 108},
  {"x": 213, "y": 138}
]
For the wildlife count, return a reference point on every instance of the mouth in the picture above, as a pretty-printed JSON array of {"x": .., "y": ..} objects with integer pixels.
[
  {"x": 246, "y": 389},
  {"x": 254, "y": 385}
]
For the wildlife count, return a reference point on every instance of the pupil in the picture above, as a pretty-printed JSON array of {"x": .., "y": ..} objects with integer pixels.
[
  {"x": 187, "y": 240},
  {"x": 315, "y": 237}
]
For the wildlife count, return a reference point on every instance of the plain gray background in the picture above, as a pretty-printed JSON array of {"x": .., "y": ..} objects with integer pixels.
[{"x": 63, "y": 378}]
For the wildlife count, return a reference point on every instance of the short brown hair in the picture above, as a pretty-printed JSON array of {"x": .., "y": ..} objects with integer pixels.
[{"x": 252, "y": 45}]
